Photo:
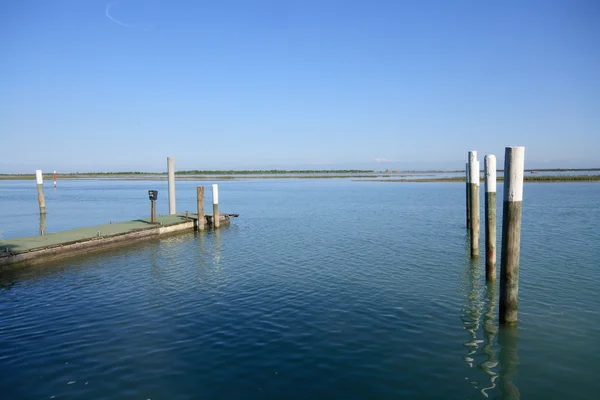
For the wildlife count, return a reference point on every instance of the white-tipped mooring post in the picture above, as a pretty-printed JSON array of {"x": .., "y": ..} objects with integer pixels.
[
  {"x": 171, "y": 173},
  {"x": 215, "y": 190},
  {"x": 54, "y": 178},
  {"x": 514, "y": 164},
  {"x": 200, "y": 203},
  {"x": 467, "y": 197},
  {"x": 474, "y": 202},
  {"x": 40, "y": 189},
  {"x": 490, "y": 217}
]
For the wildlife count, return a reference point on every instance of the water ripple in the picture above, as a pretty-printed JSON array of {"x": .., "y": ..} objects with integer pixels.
[{"x": 365, "y": 291}]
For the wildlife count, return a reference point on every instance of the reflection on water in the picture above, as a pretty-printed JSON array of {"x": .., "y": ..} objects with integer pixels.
[
  {"x": 217, "y": 248},
  {"x": 351, "y": 307},
  {"x": 509, "y": 359},
  {"x": 472, "y": 314},
  {"x": 492, "y": 350},
  {"x": 489, "y": 333}
]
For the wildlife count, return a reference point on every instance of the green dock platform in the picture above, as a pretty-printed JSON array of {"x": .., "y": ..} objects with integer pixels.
[{"x": 41, "y": 248}]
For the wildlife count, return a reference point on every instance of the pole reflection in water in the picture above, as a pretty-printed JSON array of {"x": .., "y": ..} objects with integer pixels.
[
  {"x": 208, "y": 258},
  {"x": 490, "y": 328},
  {"x": 508, "y": 359},
  {"x": 491, "y": 349},
  {"x": 472, "y": 312},
  {"x": 42, "y": 224},
  {"x": 217, "y": 248},
  {"x": 155, "y": 271}
]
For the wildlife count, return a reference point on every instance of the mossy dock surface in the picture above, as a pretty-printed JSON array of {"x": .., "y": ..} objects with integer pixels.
[{"x": 34, "y": 249}]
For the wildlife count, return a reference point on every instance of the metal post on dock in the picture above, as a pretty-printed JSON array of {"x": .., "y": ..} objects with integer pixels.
[
  {"x": 514, "y": 164},
  {"x": 200, "y": 201},
  {"x": 153, "y": 196},
  {"x": 171, "y": 173},
  {"x": 467, "y": 197},
  {"x": 490, "y": 217},
  {"x": 215, "y": 190},
  {"x": 54, "y": 178},
  {"x": 474, "y": 202},
  {"x": 40, "y": 190}
]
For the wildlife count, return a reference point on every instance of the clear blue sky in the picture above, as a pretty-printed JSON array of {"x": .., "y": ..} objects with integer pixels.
[{"x": 88, "y": 85}]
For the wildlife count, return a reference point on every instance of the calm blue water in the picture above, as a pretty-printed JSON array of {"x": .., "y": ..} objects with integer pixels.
[{"x": 321, "y": 289}]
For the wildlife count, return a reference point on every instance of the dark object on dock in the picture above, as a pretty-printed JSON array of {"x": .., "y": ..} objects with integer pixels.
[
  {"x": 232, "y": 215},
  {"x": 153, "y": 196}
]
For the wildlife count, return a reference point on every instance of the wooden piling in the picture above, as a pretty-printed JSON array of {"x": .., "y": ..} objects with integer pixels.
[
  {"x": 215, "y": 190},
  {"x": 200, "y": 201},
  {"x": 474, "y": 202},
  {"x": 171, "y": 174},
  {"x": 40, "y": 190},
  {"x": 490, "y": 217},
  {"x": 43, "y": 224},
  {"x": 514, "y": 164},
  {"x": 468, "y": 196},
  {"x": 152, "y": 211},
  {"x": 54, "y": 178}
]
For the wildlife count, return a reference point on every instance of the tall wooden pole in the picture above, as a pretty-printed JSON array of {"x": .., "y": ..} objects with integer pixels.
[
  {"x": 40, "y": 190},
  {"x": 468, "y": 196},
  {"x": 490, "y": 217},
  {"x": 152, "y": 211},
  {"x": 171, "y": 174},
  {"x": 474, "y": 202},
  {"x": 514, "y": 165},
  {"x": 216, "y": 221},
  {"x": 43, "y": 224},
  {"x": 200, "y": 203}
]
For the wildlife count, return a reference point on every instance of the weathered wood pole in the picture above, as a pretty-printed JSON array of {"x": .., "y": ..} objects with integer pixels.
[
  {"x": 40, "y": 189},
  {"x": 490, "y": 217},
  {"x": 215, "y": 190},
  {"x": 200, "y": 201},
  {"x": 514, "y": 164},
  {"x": 43, "y": 224},
  {"x": 474, "y": 202},
  {"x": 171, "y": 172},
  {"x": 468, "y": 199},
  {"x": 152, "y": 211},
  {"x": 54, "y": 178}
]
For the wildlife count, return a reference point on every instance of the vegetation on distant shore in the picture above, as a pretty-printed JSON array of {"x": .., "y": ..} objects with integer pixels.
[
  {"x": 272, "y": 171},
  {"x": 365, "y": 175},
  {"x": 557, "y": 178},
  {"x": 527, "y": 178},
  {"x": 193, "y": 172}
]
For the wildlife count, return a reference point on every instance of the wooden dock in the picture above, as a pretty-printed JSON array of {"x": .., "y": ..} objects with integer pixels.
[{"x": 42, "y": 248}]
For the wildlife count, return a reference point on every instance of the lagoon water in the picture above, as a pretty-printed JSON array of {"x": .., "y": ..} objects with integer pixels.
[{"x": 321, "y": 289}]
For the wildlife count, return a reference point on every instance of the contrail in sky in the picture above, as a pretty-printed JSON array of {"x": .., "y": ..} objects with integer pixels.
[{"x": 107, "y": 12}]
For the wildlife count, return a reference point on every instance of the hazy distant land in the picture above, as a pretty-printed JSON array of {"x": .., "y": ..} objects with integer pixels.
[{"x": 587, "y": 174}]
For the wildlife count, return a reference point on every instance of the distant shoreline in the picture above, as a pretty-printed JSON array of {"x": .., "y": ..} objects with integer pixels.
[
  {"x": 355, "y": 175},
  {"x": 527, "y": 178}
]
